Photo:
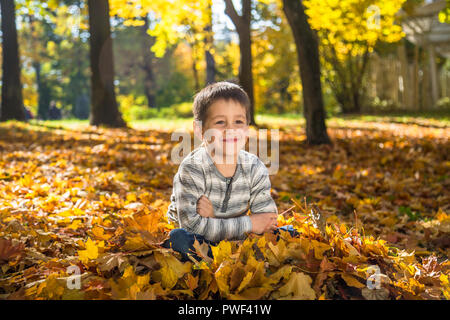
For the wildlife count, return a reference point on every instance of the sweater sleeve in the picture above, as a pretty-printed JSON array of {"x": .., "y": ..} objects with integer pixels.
[
  {"x": 260, "y": 198},
  {"x": 188, "y": 187}
]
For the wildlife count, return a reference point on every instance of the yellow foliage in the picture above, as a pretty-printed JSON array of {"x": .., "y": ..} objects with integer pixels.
[
  {"x": 352, "y": 26},
  {"x": 298, "y": 287}
]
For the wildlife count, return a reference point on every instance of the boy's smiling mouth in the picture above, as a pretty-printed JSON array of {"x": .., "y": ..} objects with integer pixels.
[{"x": 230, "y": 140}]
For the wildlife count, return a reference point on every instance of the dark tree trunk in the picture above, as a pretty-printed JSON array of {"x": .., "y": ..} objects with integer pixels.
[
  {"x": 147, "y": 65},
  {"x": 210, "y": 67},
  {"x": 308, "y": 59},
  {"x": 242, "y": 24},
  {"x": 194, "y": 63},
  {"x": 104, "y": 109},
  {"x": 12, "y": 100},
  {"x": 43, "y": 92},
  {"x": 195, "y": 71},
  {"x": 210, "y": 62}
]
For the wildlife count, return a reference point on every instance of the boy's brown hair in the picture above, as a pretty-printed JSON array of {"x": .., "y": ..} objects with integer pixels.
[{"x": 216, "y": 91}]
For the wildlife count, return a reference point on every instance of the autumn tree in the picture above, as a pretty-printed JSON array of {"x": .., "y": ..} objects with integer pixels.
[
  {"x": 147, "y": 63},
  {"x": 53, "y": 38},
  {"x": 348, "y": 32},
  {"x": 12, "y": 100},
  {"x": 191, "y": 22},
  {"x": 43, "y": 88},
  {"x": 209, "y": 56},
  {"x": 275, "y": 69},
  {"x": 36, "y": 34},
  {"x": 444, "y": 14},
  {"x": 104, "y": 108},
  {"x": 187, "y": 20},
  {"x": 308, "y": 60},
  {"x": 242, "y": 24}
]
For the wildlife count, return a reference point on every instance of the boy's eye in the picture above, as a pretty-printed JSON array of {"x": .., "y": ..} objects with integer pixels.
[
  {"x": 239, "y": 122},
  {"x": 220, "y": 122}
]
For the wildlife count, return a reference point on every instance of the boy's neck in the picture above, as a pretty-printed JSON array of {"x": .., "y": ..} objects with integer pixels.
[
  {"x": 226, "y": 166},
  {"x": 227, "y": 170}
]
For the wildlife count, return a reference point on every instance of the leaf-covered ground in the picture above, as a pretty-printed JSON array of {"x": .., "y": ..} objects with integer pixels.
[{"x": 372, "y": 211}]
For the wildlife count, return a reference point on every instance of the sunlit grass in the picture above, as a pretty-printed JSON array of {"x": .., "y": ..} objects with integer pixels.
[{"x": 436, "y": 119}]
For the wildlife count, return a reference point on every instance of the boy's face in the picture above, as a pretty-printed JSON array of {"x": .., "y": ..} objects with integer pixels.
[{"x": 225, "y": 129}]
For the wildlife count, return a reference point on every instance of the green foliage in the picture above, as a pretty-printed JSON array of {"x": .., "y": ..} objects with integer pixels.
[
  {"x": 132, "y": 110},
  {"x": 275, "y": 68},
  {"x": 139, "y": 113},
  {"x": 382, "y": 104},
  {"x": 349, "y": 31},
  {"x": 176, "y": 89},
  {"x": 412, "y": 215},
  {"x": 54, "y": 50},
  {"x": 443, "y": 103}
]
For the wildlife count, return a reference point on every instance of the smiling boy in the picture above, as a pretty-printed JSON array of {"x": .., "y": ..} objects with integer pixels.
[{"x": 217, "y": 183}]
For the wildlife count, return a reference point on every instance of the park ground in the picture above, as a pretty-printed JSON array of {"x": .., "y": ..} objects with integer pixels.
[{"x": 95, "y": 198}]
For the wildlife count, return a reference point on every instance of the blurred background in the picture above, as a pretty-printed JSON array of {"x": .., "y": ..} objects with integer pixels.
[{"x": 375, "y": 56}]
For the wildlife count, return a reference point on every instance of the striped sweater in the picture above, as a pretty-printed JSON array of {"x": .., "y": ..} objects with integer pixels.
[{"x": 248, "y": 188}]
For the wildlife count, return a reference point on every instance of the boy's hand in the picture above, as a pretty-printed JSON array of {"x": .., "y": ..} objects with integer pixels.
[
  {"x": 263, "y": 222},
  {"x": 205, "y": 207}
]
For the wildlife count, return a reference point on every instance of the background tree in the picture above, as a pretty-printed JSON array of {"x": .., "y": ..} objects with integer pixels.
[
  {"x": 147, "y": 63},
  {"x": 12, "y": 100},
  {"x": 104, "y": 105},
  {"x": 275, "y": 68},
  {"x": 54, "y": 39},
  {"x": 349, "y": 31},
  {"x": 242, "y": 24},
  {"x": 37, "y": 31},
  {"x": 209, "y": 47},
  {"x": 188, "y": 21},
  {"x": 308, "y": 60}
]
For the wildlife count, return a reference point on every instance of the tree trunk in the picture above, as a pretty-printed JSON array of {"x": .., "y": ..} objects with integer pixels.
[
  {"x": 242, "y": 24},
  {"x": 406, "y": 79},
  {"x": 245, "y": 67},
  {"x": 12, "y": 100},
  {"x": 209, "y": 42},
  {"x": 147, "y": 66},
  {"x": 104, "y": 109},
  {"x": 210, "y": 67},
  {"x": 44, "y": 95},
  {"x": 416, "y": 77},
  {"x": 43, "y": 92},
  {"x": 195, "y": 71},
  {"x": 433, "y": 75},
  {"x": 308, "y": 59}
]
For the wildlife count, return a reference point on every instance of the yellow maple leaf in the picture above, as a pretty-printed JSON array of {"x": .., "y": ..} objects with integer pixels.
[
  {"x": 298, "y": 287},
  {"x": 171, "y": 270},
  {"x": 75, "y": 224},
  {"x": 99, "y": 232},
  {"x": 91, "y": 251},
  {"x": 245, "y": 281},
  {"x": 319, "y": 248},
  {"x": 221, "y": 251}
]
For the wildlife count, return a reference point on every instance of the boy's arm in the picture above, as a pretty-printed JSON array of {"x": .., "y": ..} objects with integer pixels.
[
  {"x": 188, "y": 188},
  {"x": 261, "y": 200}
]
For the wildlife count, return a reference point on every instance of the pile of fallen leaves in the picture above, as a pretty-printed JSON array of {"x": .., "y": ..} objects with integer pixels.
[{"x": 93, "y": 204}]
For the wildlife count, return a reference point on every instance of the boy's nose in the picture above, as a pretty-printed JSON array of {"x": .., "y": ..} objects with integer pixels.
[{"x": 229, "y": 130}]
